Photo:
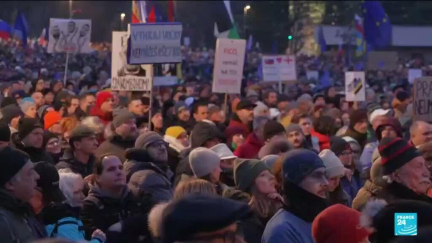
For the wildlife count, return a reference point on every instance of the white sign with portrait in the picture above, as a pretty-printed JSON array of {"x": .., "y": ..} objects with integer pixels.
[{"x": 69, "y": 35}]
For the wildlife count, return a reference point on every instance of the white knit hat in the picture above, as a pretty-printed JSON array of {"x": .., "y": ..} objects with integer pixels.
[
  {"x": 223, "y": 151},
  {"x": 203, "y": 161},
  {"x": 334, "y": 166}
]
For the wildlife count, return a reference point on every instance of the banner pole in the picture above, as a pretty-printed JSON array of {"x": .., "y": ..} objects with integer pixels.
[
  {"x": 225, "y": 106},
  {"x": 67, "y": 46},
  {"x": 151, "y": 100}
]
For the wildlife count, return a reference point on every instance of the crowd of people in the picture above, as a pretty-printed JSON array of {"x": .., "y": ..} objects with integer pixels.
[{"x": 83, "y": 162}]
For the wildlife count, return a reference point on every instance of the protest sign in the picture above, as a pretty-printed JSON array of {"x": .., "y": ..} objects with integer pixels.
[
  {"x": 413, "y": 74},
  {"x": 423, "y": 99},
  {"x": 125, "y": 76},
  {"x": 228, "y": 68},
  {"x": 71, "y": 35},
  {"x": 154, "y": 43},
  {"x": 382, "y": 60},
  {"x": 355, "y": 86},
  {"x": 279, "y": 68},
  {"x": 166, "y": 74},
  {"x": 312, "y": 74}
]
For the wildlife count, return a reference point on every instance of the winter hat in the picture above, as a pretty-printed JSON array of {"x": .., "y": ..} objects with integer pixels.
[
  {"x": 304, "y": 98},
  {"x": 122, "y": 117},
  {"x": 101, "y": 97},
  {"x": 13, "y": 160},
  {"x": 338, "y": 145},
  {"x": 8, "y": 101},
  {"x": 299, "y": 163},
  {"x": 276, "y": 147},
  {"x": 389, "y": 121},
  {"x": 26, "y": 103},
  {"x": 246, "y": 171},
  {"x": 272, "y": 128},
  {"x": 80, "y": 131},
  {"x": 203, "y": 132},
  {"x": 334, "y": 167},
  {"x": 203, "y": 161},
  {"x": 245, "y": 104},
  {"x": 327, "y": 227},
  {"x": 270, "y": 160},
  {"x": 5, "y": 133},
  {"x": 27, "y": 125},
  {"x": 42, "y": 110},
  {"x": 395, "y": 153},
  {"x": 293, "y": 128},
  {"x": 47, "y": 136},
  {"x": 223, "y": 151},
  {"x": 260, "y": 107},
  {"x": 18, "y": 94},
  {"x": 357, "y": 116},
  {"x": 182, "y": 219},
  {"x": 371, "y": 107},
  {"x": 251, "y": 93},
  {"x": 147, "y": 138},
  {"x": 10, "y": 112},
  {"x": 376, "y": 113},
  {"x": 175, "y": 131},
  {"x": 179, "y": 106},
  {"x": 51, "y": 118},
  {"x": 49, "y": 182},
  {"x": 231, "y": 131}
]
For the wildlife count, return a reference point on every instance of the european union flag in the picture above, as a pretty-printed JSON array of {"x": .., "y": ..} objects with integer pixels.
[
  {"x": 377, "y": 26},
  {"x": 21, "y": 28},
  {"x": 321, "y": 40}
]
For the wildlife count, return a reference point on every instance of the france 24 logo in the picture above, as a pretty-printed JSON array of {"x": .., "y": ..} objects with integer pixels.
[{"x": 405, "y": 224}]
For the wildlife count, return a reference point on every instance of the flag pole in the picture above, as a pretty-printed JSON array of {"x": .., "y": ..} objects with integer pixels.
[{"x": 67, "y": 51}]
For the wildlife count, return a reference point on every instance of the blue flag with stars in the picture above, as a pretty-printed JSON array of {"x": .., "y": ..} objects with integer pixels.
[{"x": 377, "y": 26}]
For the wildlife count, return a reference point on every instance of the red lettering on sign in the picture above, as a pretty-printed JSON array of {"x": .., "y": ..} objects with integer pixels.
[{"x": 230, "y": 51}]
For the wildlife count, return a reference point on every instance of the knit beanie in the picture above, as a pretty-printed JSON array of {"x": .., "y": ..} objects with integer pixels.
[
  {"x": 26, "y": 103},
  {"x": 203, "y": 161},
  {"x": 395, "y": 153},
  {"x": 10, "y": 112},
  {"x": 327, "y": 226},
  {"x": 13, "y": 160},
  {"x": 293, "y": 128},
  {"x": 5, "y": 132},
  {"x": 334, "y": 167},
  {"x": 47, "y": 136},
  {"x": 122, "y": 117},
  {"x": 299, "y": 163},
  {"x": 246, "y": 171},
  {"x": 175, "y": 131},
  {"x": 357, "y": 116},
  {"x": 27, "y": 125},
  {"x": 270, "y": 160},
  {"x": 51, "y": 118},
  {"x": 101, "y": 97},
  {"x": 338, "y": 145},
  {"x": 272, "y": 128},
  {"x": 41, "y": 111},
  {"x": 147, "y": 138},
  {"x": 223, "y": 151}
]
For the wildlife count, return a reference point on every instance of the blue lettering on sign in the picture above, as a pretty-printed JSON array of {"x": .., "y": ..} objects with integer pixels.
[
  {"x": 155, "y": 51},
  {"x": 156, "y": 35}
]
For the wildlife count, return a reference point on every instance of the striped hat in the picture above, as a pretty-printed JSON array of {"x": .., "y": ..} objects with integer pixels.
[{"x": 395, "y": 153}]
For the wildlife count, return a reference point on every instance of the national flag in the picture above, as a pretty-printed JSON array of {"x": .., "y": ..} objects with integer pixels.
[
  {"x": 360, "y": 42},
  {"x": 21, "y": 28},
  {"x": 225, "y": 26},
  {"x": 325, "y": 79},
  {"x": 233, "y": 33},
  {"x": 377, "y": 26},
  {"x": 249, "y": 43},
  {"x": 152, "y": 15},
  {"x": 171, "y": 10},
  {"x": 42, "y": 41},
  {"x": 139, "y": 13},
  {"x": 5, "y": 30},
  {"x": 321, "y": 40}
]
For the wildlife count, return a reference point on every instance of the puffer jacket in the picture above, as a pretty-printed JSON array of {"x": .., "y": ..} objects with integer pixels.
[
  {"x": 68, "y": 160},
  {"x": 115, "y": 145},
  {"x": 368, "y": 191}
]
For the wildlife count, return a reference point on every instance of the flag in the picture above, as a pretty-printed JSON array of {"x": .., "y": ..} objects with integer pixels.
[
  {"x": 218, "y": 34},
  {"x": 171, "y": 10},
  {"x": 42, "y": 41},
  {"x": 321, "y": 40},
  {"x": 152, "y": 16},
  {"x": 21, "y": 28},
  {"x": 249, "y": 43},
  {"x": 139, "y": 13},
  {"x": 233, "y": 33},
  {"x": 377, "y": 26},
  {"x": 5, "y": 30},
  {"x": 325, "y": 79},
  {"x": 228, "y": 9},
  {"x": 360, "y": 42},
  {"x": 274, "y": 47}
]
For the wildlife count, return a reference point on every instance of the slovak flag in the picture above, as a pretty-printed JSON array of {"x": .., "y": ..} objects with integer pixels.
[
  {"x": 5, "y": 30},
  {"x": 41, "y": 40},
  {"x": 269, "y": 61},
  {"x": 139, "y": 13}
]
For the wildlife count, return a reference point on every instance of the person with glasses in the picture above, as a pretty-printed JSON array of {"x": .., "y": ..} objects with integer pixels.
[
  {"x": 351, "y": 181},
  {"x": 305, "y": 188},
  {"x": 51, "y": 143}
]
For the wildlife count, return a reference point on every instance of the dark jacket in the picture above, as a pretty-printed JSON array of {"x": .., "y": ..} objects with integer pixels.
[
  {"x": 70, "y": 161},
  {"x": 115, "y": 145},
  {"x": 339, "y": 196},
  {"x": 252, "y": 229},
  {"x": 17, "y": 221},
  {"x": 235, "y": 122},
  {"x": 360, "y": 138},
  {"x": 101, "y": 211},
  {"x": 368, "y": 191},
  {"x": 353, "y": 186},
  {"x": 250, "y": 148},
  {"x": 36, "y": 154},
  {"x": 395, "y": 191}
]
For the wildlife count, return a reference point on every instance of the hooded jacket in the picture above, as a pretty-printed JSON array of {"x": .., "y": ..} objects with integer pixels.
[
  {"x": 36, "y": 154},
  {"x": 235, "y": 122},
  {"x": 17, "y": 221},
  {"x": 250, "y": 148},
  {"x": 68, "y": 160},
  {"x": 115, "y": 145},
  {"x": 323, "y": 140}
]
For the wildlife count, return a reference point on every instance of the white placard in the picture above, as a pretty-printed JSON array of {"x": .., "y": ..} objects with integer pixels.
[
  {"x": 71, "y": 35},
  {"x": 125, "y": 76},
  {"x": 355, "y": 86},
  {"x": 155, "y": 43},
  {"x": 413, "y": 74},
  {"x": 279, "y": 68},
  {"x": 312, "y": 74},
  {"x": 228, "y": 68}
]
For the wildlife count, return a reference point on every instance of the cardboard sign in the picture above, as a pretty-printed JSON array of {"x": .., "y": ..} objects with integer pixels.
[
  {"x": 312, "y": 75},
  {"x": 125, "y": 76},
  {"x": 355, "y": 86},
  {"x": 69, "y": 35},
  {"x": 154, "y": 43},
  {"x": 279, "y": 68},
  {"x": 423, "y": 99},
  {"x": 414, "y": 74},
  {"x": 382, "y": 60},
  {"x": 228, "y": 68}
]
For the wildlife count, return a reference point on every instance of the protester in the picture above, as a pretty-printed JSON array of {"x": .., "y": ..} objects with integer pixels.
[
  {"x": 235, "y": 137},
  {"x": 273, "y": 130},
  {"x": 191, "y": 186},
  {"x": 52, "y": 123},
  {"x": 251, "y": 147},
  {"x": 323, "y": 129},
  {"x": 28, "y": 107},
  {"x": 51, "y": 143},
  {"x": 358, "y": 127},
  {"x": 270, "y": 98},
  {"x": 243, "y": 116},
  {"x": 277, "y": 146},
  {"x": 86, "y": 101},
  {"x": 205, "y": 164},
  {"x": 103, "y": 107},
  {"x": 11, "y": 116},
  {"x": 296, "y": 137},
  {"x": 177, "y": 139},
  {"x": 421, "y": 132},
  {"x": 200, "y": 111},
  {"x": 305, "y": 122},
  {"x": 135, "y": 106},
  {"x": 227, "y": 159}
]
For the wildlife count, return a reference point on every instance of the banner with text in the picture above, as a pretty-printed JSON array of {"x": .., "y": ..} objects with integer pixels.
[
  {"x": 154, "y": 43},
  {"x": 423, "y": 99},
  {"x": 228, "y": 68},
  {"x": 125, "y": 76},
  {"x": 355, "y": 86},
  {"x": 71, "y": 35},
  {"x": 279, "y": 68}
]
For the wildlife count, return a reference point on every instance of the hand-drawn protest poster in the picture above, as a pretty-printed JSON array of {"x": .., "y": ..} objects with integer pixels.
[
  {"x": 279, "y": 68},
  {"x": 71, "y": 35},
  {"x": 123, "y": 75},
  {"x": 355, "y": 86},
  {"x": 154, "y": 43},
  {"x": 228, "y": 68},
  {"x": 423, "y": 99}
]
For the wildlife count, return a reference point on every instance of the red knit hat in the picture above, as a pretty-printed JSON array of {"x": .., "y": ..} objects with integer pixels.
[
  {"x": 51, "y": 118},
  {"x": 101, "y": 97},
  {"x": 338, "y": 224}
]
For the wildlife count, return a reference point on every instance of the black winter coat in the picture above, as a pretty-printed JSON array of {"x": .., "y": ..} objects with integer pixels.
[
  {"x": 69, "y": 161},
  {"x": 36, "y": 154},
  {"x": 115, "y": 145}
]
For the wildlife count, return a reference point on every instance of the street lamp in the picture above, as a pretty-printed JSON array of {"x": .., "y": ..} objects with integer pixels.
[
  {"x": 122, "y": 17},
  {"x": 245, "y": 10}
]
